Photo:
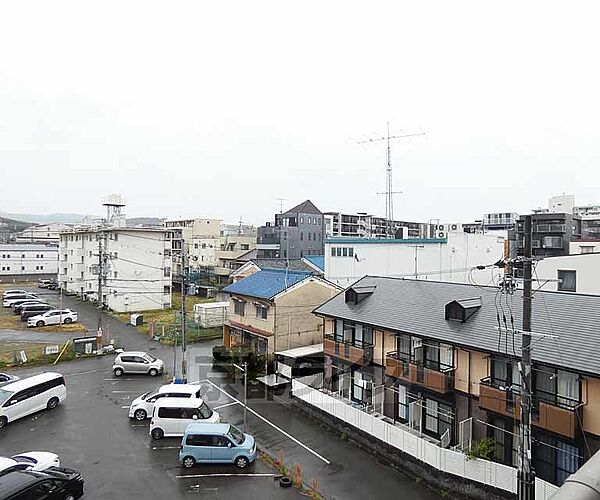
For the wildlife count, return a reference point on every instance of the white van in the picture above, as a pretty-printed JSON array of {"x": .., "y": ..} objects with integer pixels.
[
  {"x": 172, "y": 415},
  {"x": 142, "y": 407},
  {"x": 24, "y": 397}
]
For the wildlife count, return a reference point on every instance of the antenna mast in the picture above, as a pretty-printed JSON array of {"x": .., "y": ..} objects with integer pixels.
[{"x": 389, "y": 189}]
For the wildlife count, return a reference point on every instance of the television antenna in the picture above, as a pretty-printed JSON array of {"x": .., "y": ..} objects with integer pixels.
[{"x": 389, "y": 191}]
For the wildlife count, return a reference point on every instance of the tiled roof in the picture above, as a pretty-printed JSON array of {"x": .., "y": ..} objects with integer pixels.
[
  {"x": 316, "y": 260},
  {"x": 267, "y": 283},
  {"x": 417, "y": 307},
  {"x": 306, "y": 207}
]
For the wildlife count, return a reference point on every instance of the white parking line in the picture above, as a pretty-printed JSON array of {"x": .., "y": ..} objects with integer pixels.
[
  {"x": 165, "y": 447},
  {"x": 229, "y": 475},
  {"x": 271, "y": 424},
  {"x": 123, "y": 392},
  {"x": 83, "y": 373},
  {"x": 222, "y": 406},
  {"x": 127, "y": 406}
]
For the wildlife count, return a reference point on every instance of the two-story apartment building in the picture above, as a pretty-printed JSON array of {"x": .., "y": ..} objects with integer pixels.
[
  {"x": 442, "y": 359},
  {"x": 271, "y": 310},
  {"x": 137, "y": 265}
]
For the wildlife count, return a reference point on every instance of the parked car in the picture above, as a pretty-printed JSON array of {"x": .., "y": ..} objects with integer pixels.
[
  {"x": 34, "y": 310},
  {"x": 52, "y": 285},
  {"x": 17, "y": 307},
  {"x": 6, "y": 378},
  {"x": 11, "y": 299},
  {"x": 32, "y": 460},
  {"x": 53, "y": 317},
  {"x": 44, "y": 283},
  {"x": 29, "y": 395},
  {"x": 143, "y": 406},
  {"x": 55, "y": 483},
  {"x": 137, "y": 362},
  {"x": 172, "y": 416},
  {"x": 216, "y": 443},
  {"x": 13, "y": 291}
]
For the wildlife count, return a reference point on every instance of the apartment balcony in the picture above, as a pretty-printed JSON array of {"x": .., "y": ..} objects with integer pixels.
[
  {"x": 346, "y": 351},
  {"x": 557, "y": 414},
  {"x": 418, "y": 374}
]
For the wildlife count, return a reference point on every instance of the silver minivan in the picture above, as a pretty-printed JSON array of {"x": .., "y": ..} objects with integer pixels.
[{"x": 137, "y": 362}]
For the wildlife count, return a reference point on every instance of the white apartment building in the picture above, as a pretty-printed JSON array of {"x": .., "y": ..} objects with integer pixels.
[
  {"x": 195, "y": 228},
  {"x": 137, "y": 266},
  {"x": 46, "y": 233},
  {"x": 20, "y": 261},
  {"x": 579, "y": 273},
  {"x": 444, "y": 259}
]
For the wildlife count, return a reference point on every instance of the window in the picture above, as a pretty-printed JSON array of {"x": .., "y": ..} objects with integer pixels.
[
  {"x": 238, "y": 307},
  {"x": 301, "y": 236},
  {"x": 350, "y": 251},
  {"x": 568, "y": 281},
  {"x": 338, "y": 252},
  {"x": 261, "y": 312},
  {"x": 438, "y": 417},
  {"x": 309, "y": 220},
  {"x": 115, "y": 274},
  {"x": 301, "y": 220},
  {"x": 167, "y": 272},
  {"x": 402, "y": 403},
  {"x": 552, "y": 242},
  {"x": 245, "y": 246},
  {"x": 333, "y": 251},
  {"x": 205, "y": 411},
  {"x": 309, "y": 236},
  {"x": 362, "y": 387},
  {"x": 556, "y": 461},
  {"x": 344, "y": 252}
]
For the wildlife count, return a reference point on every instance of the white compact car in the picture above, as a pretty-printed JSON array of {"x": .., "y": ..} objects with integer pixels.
[
  {"x": 53, "y": 317},
  {"x": 32, "y": 460},
  {"x": 143, "y": 406},
  {"x": 11, "y": 299}
]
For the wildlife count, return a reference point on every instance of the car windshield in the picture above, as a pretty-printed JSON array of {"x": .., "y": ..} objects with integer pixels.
[
  {"x": 150, "y": 358},
  {"x": 235, "y": 434},
  {"x": 5, "y": 396},
  {"x": 22, "y": 458},
  {"x": 205, "y": 411},
  {"x": 149, "y": 394}
]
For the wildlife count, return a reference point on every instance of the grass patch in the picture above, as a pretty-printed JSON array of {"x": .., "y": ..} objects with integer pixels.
[{"x": 9, "y": 356}]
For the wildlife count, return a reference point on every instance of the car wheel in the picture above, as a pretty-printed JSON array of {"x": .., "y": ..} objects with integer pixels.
[
  {"x": 40, "y": 323},
  {"x": 140, "y": 415},
  {"x": 241, "y": 462},
  {"x": 188, "y": 462},
  {"x": 69, "y": 497},
  {"x": 153, "y": 372},
  {"x": 67, "y": 321},
  {"x": 118, "y": 372},
  {"x": 157, "y": 433},
  {"x": 52, "y": 403},
  {"x": 3, "y": 422}
]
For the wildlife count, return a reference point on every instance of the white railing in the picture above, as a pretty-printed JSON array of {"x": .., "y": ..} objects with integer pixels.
[{"x": 453, "y": 462}]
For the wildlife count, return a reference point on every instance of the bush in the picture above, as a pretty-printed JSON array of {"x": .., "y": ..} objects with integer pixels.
[
  {"x": 483, "y": 448},
  {"x": 239, "y": 355}
]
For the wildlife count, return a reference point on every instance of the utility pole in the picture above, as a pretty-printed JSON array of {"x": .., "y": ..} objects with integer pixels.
[
  {"x": 526, "y": 476},
  {"x": 101, "y": 274},
  {"x": 183, "y": 313},
  {"x": 417, "y": 248},
  {"x": 389, "y": 190}
]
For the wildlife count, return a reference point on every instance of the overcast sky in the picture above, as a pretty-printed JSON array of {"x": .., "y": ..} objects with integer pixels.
[{"x": 218, "y": 108}]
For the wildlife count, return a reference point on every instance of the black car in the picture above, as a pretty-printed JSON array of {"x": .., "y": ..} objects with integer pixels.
[
  {"x": 19, "y": 307},
  {"x": 33, "y": 310},
  {"x": 55, "y": 483},
  {"x": 52, "y": 285}
]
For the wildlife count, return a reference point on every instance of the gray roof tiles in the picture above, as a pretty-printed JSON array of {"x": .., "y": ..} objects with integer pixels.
[{"x": 417, "y": 307}]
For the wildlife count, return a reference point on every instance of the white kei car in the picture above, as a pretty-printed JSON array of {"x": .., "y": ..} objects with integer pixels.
[
  {"x": 31, "y": 460},
  {"x": 53, "y": 317}
]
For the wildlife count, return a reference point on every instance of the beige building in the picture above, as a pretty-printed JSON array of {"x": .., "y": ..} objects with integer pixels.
[
  {"x": 271, "y": 310},
  {"x": 429, "y": 357}
]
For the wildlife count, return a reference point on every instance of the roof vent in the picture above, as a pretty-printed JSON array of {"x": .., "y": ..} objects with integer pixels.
[
  {"x": 461, "y": 310},
  {"x": 356, "y": 294}
]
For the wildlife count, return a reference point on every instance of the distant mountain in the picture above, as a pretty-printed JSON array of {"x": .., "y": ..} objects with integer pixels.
[
  {"x": 13, "y": 225},
  {"x": 45, "y": 218},
  {"x": 71, "y": 219}
]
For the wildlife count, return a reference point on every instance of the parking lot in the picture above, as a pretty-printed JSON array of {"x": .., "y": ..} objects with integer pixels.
[{"x": 92, "y": 433}]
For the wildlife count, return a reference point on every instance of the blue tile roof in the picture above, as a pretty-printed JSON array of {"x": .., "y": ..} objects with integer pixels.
[
  {"x": 316, "y": 260},
  {"x": 267, "y": 283}
]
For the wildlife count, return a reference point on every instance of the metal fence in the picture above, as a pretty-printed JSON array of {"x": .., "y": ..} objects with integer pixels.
[{"x": 453, "y": 462}]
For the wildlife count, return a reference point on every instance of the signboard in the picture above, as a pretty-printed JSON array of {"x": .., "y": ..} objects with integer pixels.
[
  {"x": 51, "y": 349},
  {"x": 23, "y": 356},
  {"x": 85, "y": 345}
]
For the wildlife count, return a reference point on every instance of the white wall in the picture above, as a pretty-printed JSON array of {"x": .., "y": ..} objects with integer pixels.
[
  {"x": 586, "y": 266},
  {"x": 203, "y": 251},
  {"x": 135, "y": 277},
  {"x": 21, "y": 259},
  {"x": 386, "y": 258},
  {"x": 579, "y": 247}
]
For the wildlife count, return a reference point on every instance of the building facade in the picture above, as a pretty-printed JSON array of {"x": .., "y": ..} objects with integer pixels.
[
  {"x": 578, "y": 273},
  {"x": 363, "y": 225},
  {"x": 47, "y": 233},
  {"x": 271, "y": 310},
  {"x": 446, "y": 259},
  {"x": 20, "y": 261},
  {"x": 137, "y": 266},
  {"x": 430, "y": 358},
  {"x": 552, "y": 233},
  {"x": 296, "y": 233}
]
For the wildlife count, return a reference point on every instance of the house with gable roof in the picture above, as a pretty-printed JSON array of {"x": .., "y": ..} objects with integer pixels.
[{"x": 271, "y": 310}]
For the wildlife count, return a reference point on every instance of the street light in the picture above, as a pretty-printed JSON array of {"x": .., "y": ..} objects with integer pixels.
[{"x": 244, "y": 370}]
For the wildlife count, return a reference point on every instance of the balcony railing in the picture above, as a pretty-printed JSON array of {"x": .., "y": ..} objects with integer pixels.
[
  {"x": 437, "y": 380},
  {"x": 355, "y": 353},
  {"x": 560, "y": 415}
]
